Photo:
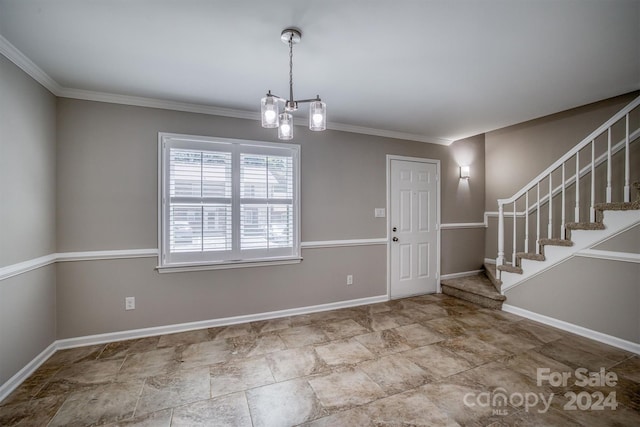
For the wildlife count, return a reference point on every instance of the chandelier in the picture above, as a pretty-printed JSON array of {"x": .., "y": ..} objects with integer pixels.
[{"x": 270, "y": 104}]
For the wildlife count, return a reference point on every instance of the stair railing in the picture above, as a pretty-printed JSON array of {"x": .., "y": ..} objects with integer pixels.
[{"x": 537, "y": 184}]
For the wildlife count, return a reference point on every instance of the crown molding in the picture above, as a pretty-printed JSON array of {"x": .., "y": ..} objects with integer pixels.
[
  {"x": 28, "y": 66},
  {"x": 14, "y": 55}
]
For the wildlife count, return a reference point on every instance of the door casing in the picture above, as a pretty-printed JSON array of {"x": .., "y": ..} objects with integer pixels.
[{"x": 391, "y": 157}]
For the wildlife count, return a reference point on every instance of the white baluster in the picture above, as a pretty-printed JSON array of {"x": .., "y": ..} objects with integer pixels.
[
  {"x": 576, "y": 214},
  {"x": 550, "y": 227},
  {"x": 592, "y": 213},
  {"x": 500, "y": 259},
  {"x": 609, "y": 165},
  {"x": 526, "y": 222},
  {"x": 513, "y": 256},
  {"x": 538, "y": 249},
  {"x": 626, "y": 161},
  {"x": 563, "y": 209}
]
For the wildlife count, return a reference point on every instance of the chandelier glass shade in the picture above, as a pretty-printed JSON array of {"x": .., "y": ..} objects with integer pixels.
[{"x": 270, "y": 105}]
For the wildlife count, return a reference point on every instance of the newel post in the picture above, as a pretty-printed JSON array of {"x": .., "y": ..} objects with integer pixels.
[{"x": 500, "y": 259}]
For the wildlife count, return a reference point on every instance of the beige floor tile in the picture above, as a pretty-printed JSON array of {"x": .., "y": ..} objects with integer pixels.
[
  {"x": 183, "y": 338},
  {"x": 91, "y": 371},
  {"x": 231, "y": 410},
  {"x": 438, "y": 362},
  {"x": 120, "y": 349},
  {"x": 271, "y": 325},
  {"x": 343, "y": 329},
  {"x": 394, "y": 374},
  {"x": 418, "y": 335},
  {"x": 168, "y": 391},
  {"x": 239, "y": 375},
  {"x": 230, "y": 331},
  {"x": 37, "y": 412},
  {"x": 286, "y": 403},
  {"x": 475, "y": 351},
  {"x": 450, "y": 327},
  {"x": 343, "y": 352},
  {"x": 256, "y": 345},
  {"x": 350, "y": 367},
  {"x": 629, "y": 368},
  {"x": 295, "y": 363},
  {"x": 345, "y": 389},
  {"x": 156, "y": 362},
  {"x": 153, "y": 419},
  {"x": 412, "y": 408},
  {"x": 300, "y": 336},
  {"x": 384, "y": 342},
  {"x": 205, "y": 354},
  {"x": 100, "y": 405}
]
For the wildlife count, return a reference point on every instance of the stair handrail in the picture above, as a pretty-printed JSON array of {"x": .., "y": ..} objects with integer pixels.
[
  {"x": 560, "y": 163},
  {"x": 593, "y": 135}
]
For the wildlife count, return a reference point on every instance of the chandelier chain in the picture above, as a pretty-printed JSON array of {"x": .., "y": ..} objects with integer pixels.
[{"x": 291, "y": 68}]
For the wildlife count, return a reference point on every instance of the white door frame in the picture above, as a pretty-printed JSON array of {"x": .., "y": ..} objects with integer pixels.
[{"x": 391, "y": 157}]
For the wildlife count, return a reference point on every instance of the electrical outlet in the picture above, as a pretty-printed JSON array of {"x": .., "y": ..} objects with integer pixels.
[
  {"x": 130, "y": 303},
  {"x": 350, "y": 279}
]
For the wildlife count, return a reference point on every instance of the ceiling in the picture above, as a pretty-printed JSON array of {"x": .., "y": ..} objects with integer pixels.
[{"x": 434, "y": 71}]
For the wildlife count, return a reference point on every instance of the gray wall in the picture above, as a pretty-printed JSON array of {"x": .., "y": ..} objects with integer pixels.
[
  {"x": 107, "y": 199},
  {"x": 27, "y": 217},
  {"x": 629, "y": 241},
  {"x": 597, "y": 294}
]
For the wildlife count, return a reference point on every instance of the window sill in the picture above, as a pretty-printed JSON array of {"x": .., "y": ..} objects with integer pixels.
[{"x": 227, "y": 265}]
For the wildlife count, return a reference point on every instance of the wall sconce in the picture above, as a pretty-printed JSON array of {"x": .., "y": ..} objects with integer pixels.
[{"x": 464, "y": 172}]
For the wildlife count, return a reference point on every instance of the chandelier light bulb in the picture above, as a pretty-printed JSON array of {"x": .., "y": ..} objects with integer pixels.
[
  {"x": 285, "y": 131},
  {"x": 269, "y": 112},
  {"x": 317, "y": 115}
]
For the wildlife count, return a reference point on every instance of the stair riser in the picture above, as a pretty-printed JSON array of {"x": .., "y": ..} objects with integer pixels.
[{"x": 473, "y": 298}]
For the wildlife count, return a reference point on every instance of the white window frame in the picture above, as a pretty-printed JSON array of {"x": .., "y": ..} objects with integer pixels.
[{"x": 234, "y": 258}]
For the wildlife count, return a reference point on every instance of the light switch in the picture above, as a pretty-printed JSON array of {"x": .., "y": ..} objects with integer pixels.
[{"x": 379, "y": 212}]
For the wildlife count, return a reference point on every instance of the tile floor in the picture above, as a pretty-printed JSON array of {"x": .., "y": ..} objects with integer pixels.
[{"x": 408, "y": 362}]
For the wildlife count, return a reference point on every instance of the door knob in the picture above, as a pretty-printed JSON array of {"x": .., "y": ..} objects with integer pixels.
[{"x": 395, "y": 239}]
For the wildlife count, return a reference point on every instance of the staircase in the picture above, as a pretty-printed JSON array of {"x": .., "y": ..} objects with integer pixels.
[
  {"x": 482, "y": 289},
  {"x": 592, "y": 188}
]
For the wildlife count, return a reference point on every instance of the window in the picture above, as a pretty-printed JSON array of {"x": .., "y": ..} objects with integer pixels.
[{"x": 226, "y": 201}]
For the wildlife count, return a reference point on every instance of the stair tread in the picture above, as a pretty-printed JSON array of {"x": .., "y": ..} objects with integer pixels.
[
  {"x": 585, "y": 226},
  {"x": 510, "y": 269},
  {"x": 618, "y": 206},
  {"x": 477, "y": 284},
  {"x": 531, "y": 256},
  {"x": 555, "y": 242}
]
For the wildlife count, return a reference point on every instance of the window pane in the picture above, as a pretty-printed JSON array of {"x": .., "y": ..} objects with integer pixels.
[
  {"x": 216, "y": 174},
  {"x": 253, "y": 227},
  {"x": 217, "y": 228},
  {"x": 185, "y": 228},
  {"x": 185, "y": 173},
  {"x": 280, "y": 226},
  {"x": 280, "y": 173},
  {"x": 253, "y": 176}
]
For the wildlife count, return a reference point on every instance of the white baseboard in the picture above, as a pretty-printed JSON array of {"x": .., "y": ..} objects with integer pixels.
[
  {"x": 30, "y": 368},
  {"x": 183, "y": 327},
  {"x": 490, "y": 261},
  {"x": 24, "y": 373},
  {"x": 570, "y": 327},
  {"x": 460, "y": 274}
]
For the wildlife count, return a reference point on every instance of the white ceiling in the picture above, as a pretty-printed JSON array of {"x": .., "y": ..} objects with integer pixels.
[{"x": 438, "y": 70}]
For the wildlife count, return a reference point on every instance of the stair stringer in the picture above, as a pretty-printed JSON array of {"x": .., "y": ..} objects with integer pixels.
[{"x": 615, "y": 222}]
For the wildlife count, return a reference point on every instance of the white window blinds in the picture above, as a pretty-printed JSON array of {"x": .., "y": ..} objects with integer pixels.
[{"x": 227, "y": 201}]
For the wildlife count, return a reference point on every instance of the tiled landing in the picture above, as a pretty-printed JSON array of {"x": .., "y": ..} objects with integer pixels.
[{"x": 406, "y": 362}]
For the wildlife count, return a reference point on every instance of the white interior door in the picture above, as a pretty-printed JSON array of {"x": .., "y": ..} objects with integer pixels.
[{"x": 413, "y": 221}]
